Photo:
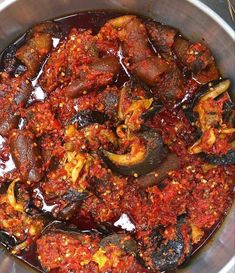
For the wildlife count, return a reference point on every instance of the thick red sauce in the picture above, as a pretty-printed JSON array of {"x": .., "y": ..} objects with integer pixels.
[{"x": 191, "y": 183}]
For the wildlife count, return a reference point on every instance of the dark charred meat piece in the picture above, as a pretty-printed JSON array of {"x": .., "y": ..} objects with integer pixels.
[
  {"x": 171, "y": 163},
  {"x": 87, "y": 117},
  {"x": 74, "y": 196},
  {"x": 74, "y": 199},
  {"x": 7, "y": 240},
  {"x": 98, "y": 74},
  {"x": 168, "y": 253},
  {"x": 26, "y": 155},
  {"x": 68, "y": 211},
  {"x": 227, "y": 159},
  {"x": 142, "y": 159},
  {"x": 162, "y": 36}
]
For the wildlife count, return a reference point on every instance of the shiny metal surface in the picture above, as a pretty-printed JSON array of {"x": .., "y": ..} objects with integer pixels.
[{"x": 196, "y": 21}]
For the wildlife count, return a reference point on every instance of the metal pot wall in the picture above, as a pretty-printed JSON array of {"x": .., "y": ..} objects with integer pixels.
[{"x": 196, "y": 21}]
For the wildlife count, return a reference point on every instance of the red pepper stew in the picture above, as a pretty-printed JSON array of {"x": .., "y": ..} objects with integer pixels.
[{"x": 117, "y": 145}]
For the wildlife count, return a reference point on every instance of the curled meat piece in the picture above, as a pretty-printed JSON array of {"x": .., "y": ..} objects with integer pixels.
[
  {"x": 162, "y": 36},
  {"x": 215, "y": 137},
  {"x": 97, "y": 74},
  {"x": 169, "y": 247},
  {"x": 74, "y": 199},
  {"x": 198, "y": 58},
  {"x": 38, "y": 44},
  {"x": 17, "y": 228},
  {"x": 134, "y": 107},
  {"x": 146, "y": 153},
  {"x": 26, "y": 154},
  {"x": 14, "y": 93}
]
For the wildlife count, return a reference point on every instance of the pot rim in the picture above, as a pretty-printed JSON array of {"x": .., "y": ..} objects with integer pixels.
[{"x": 203, "y": 7}]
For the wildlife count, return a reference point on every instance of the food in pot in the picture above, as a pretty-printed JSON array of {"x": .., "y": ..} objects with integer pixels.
[{"x": 117, "y": 145}]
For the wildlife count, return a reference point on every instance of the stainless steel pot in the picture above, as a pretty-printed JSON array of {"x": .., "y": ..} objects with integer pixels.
[{"x": 196, "y": 21}]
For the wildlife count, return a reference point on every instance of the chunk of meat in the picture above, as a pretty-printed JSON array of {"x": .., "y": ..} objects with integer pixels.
[
  {"x": 133, "y": 35},
  {"x": 144, "y": 63},
  {"x": 171, "y": 87},
  {"x": 197, "y": 57},
  {"x": 154, "y": 178},
  {"x": 14, "y": 93},
  {"x": 38, "y": 44},
  {"x": 69, "y": 59},
  {"x": 162, "y": 36},
  {"x": 151, "y": 70},
  {"x": 164, "y": 76},
  {"x": 34, "y": 51},
  {"x": 26, "y": 154},
  {"x": 108, "y": 102},
  {"x": 97, "y": 74}
]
